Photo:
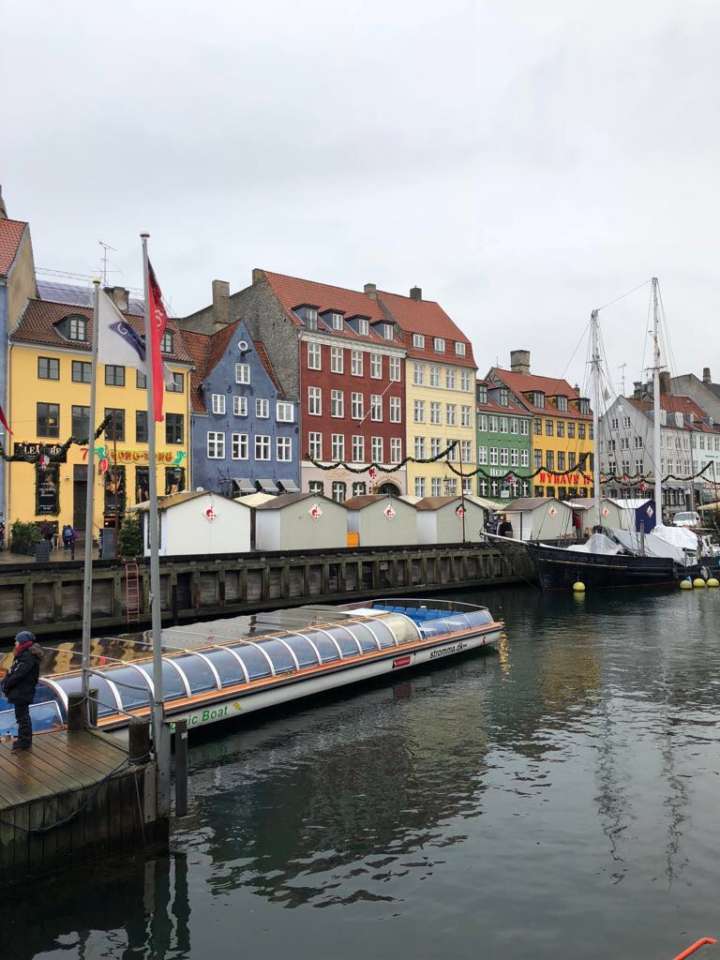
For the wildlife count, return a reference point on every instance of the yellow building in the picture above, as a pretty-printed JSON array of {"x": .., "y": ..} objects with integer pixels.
[
  {"x": 48, "y": 402},
  {"x": 562, "y": 429},
  {"x": 439, "y": 394}
]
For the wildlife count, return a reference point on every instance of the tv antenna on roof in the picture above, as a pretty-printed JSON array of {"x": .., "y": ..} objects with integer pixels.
[
  {"x": 621, "y": 368},
  {"x": 105, "y": 271}
]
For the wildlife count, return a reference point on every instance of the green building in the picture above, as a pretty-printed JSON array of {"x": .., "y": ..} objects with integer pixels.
[{"x": 503, "y": 441}]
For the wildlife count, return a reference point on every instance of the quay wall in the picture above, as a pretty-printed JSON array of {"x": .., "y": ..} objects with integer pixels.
[{"x": 47, "y": 598}]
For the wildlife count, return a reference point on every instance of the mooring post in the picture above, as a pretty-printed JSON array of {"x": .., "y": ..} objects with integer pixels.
[
  {"x": 181, "y": 766},
  {"x": 138, "y": 740},
  {"x": 76, "y": 712},
  {"x": 92, "y": 707}
]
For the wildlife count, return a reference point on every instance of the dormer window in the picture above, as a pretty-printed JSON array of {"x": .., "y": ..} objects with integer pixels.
[
  {"x": 459, "y": 349},
  {"x": 481, "y": 394},
  {"x": 166, "y": 344},
  {"x": 336, "y": 320},
  {"x": 438, "y": 345},
  {"x": 584, "y": 405},
  {"x": 76, "y": 327},
  {"x": 419, "y": 341},
  {"x": 504, "y": 397},
  {"x": 562, "y": 404},
  {"x": 387, "y": 330},
  {"x": 311, "y": 318},
  {"x": 363, "y": 327},
  {"x": 679, "y": 419},
  {"x": 538, "y": 399}
]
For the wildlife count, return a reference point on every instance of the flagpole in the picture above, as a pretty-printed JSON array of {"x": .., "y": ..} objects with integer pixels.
[
  {"x": 90, "y": 509},
  {"x": 160, "y": 730}
]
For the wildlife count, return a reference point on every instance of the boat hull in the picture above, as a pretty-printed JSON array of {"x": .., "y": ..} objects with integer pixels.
[{"x": 559, "y": 569}]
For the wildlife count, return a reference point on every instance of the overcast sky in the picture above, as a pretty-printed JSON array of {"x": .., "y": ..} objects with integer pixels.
[{"x": 522, "y": 162}]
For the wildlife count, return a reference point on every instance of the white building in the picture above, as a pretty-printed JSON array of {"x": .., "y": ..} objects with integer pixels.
[
  {"x": 199, "y": 523},
  {"x": 539, "y": 518},
  {"x": 379, "y": 521},
  {"x": 300, "y": 521},
  {"x": 450, "y": 520}
]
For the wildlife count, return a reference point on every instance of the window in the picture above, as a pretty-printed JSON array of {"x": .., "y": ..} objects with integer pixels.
[
  {"x": 419, "y": 486},
  {"x": 450, "y": 409},
  {"x": 549, "y": 429},
  {"x": 513, "y": 425},
  {"x": 482, "y": 422},
  {"x": 358, "y": 449},
  {"x": 176, "y": 384},
  {"x": 438, "y": 345},
  {"x": 503, "y": 424},
  {"x": 419, "y": 448},
  {"x": 537, "y": 459},
  {"x": 482, "y": 455},
  {"x": 436, "y": 486},
  {"x": 284, "y": 411},
  {"x": 459, "y": 349},
  {"x": 581, "y": 431},
  {"x": 218, "y": 403},
  {"x": 215, "y": 445},
  {"x": 493, "y": 456},
  {"x": 464, "y": 416},
  {"x": 524, "y": 458},
  {"x": 359, "y": 488},
  {"x": 315, "y": 445},
  {"x": 584, "y": 405},
  {"x": 395, "y": 410},
  {"x": 418, "y": 341},
  {"x": 115, "y": 429},
  {"x": 514, "y": 457},
  {"x": 262, "y": 408},
  {"x": 363, "y": 327},
  {"x": 418, "y": 374},
  {"x": 314, "y": 401},
  {"x": 481, "y": 393},
  {"x": 311, "y": 318},
  {"x": 450, "y": 378},
  {"x": 174, "y": 480},
  {"x": 240, "y": 406},
  {"x": 339, "y": 491},
  {"x": 376, "y": 412},
  {"x": 375, "y": 366},
  {"x": 283, "y": 449},
  {"x": 81, "y": 371},
  {"x": 239, "y": 447},
  {"x": 465, "y": 451},
  {"x": 356, "y": 406},
  {"x": 242, "y": 373},
  {"x": 336, "y": 360},
  {"x": 626, "y": 422},
  {"x": 77, "y": 328},
  {"x": 114, "y": 375},
  {"x": 81, "y": 423},
  {"x": 562, "y": 403},
  {"x": 356, "y": 363},
  {"x": 140, "y": 380},
  {"x": 492, "y": 423},
  {"x": 141, "y": 426},
  {"x": 560, "y": 428},
  {"x": 539, "y": 399},
  {"x": 465, "y": 380},
  {"x": 572, "y": 460},
  {"x": 434, "y": 376},
  {"x": 537, "y": 426},
  {"x": 376, "y": 447},
  {"x": 395, "y": 450},
  {"x": 561, "y": 460},
  {"x": 337, "y": 321},
  {"x": 174, "y": 427},
  {"x": 262, "y": 447},
  {"x": 525, "y": 428},
  {"x": 337, "y": 443},
  {"x": 435, "y": 412},
  {"x": 395, "y": 369},
  {"x": 504, "y": 457},
  {"x": 142, "y": 484},
  {"x": 550, "y": 459},
  {"x": 450, "y": 487},
  {"x": 419, "y": 411},
  {"x": 571, "y": 430},
  {"x": 435, "y": 446},
  {"x": 316, "y": 486},
  {"x": 314, "y": 354},
  {"x": 387, "y": 329},
  {"x": 48, "y": 368},
  {"x": 166, "y": 344},
  {"x": 337, "y": 403}
]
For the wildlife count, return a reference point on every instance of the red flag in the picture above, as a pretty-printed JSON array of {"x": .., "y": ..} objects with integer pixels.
[
  {"x": 4, "y": 422},
  {"x": 158, "y": 325}
]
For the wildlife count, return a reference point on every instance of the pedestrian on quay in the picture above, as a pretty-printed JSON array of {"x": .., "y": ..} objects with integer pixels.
[
  {"x": 69, "y": 537},
  {"x": 19, "y": 685},
  {"x": 505, "y": 528}
]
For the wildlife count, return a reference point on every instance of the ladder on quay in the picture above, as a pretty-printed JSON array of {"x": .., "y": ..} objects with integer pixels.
[{"x": 132, "y": 592}]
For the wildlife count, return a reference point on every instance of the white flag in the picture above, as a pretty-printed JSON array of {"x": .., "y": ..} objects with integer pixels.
[{"x": 118, "y": 342}]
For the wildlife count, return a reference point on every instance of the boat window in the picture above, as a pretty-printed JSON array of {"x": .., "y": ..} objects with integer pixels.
[
  {"x": 45, "y": 716},
  {"x": 198, "y": 673},
  {"x": 280, "y": 656},
  {"x": 255, "y": 663},
  {"x": 303, "y": 650},
  {"x": 382, "y": 633},
  {"x": 367, "y": 640},
  {"x": 107, "y": 704},
  {"x": 345, "y": 641},
  {"x": 328, "y": 650},
  {"x": 132, "y": 687},
  {"x": 227, "y": 666}
]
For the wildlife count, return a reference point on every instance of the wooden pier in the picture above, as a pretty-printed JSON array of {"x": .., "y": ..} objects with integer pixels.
[
  {"x": 73, "y": 797},
  {"x": 47, "y": 597}
]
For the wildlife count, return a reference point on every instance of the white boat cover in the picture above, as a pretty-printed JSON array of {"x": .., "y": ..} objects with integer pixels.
[
  {"x": 672, "y": 542},
  {"x": 597, "y": 543}
]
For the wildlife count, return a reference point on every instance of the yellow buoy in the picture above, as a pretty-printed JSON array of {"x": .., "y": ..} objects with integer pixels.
[
  {"x": 698, "y": 582},
  {"x": 713, "y": 582},
  {"x": 685, "y": 585},
  {"x": 578, "y": 587}
]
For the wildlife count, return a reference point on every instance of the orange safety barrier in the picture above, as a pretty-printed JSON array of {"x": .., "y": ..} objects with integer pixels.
[{"x": 695, "y": 946}]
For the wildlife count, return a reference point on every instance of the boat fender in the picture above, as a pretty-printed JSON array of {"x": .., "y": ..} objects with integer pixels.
[
  {"x": 578, "y": 587},
  {"x": 686, "y": 584},
  {"x": 698, "y": 582},
  {"x": 713, "y": 582}
]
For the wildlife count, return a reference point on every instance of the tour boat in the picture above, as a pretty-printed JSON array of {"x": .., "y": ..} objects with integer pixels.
[{"x": 217, "y": 670}]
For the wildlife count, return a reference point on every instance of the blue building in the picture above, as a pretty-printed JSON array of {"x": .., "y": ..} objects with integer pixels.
[{"x": 244, "y": 430}]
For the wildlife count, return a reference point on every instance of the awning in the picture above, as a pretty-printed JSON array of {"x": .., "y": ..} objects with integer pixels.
[
  {"x": 244, "y": 485},
  {"x": 267, "y": 486},
  {"x": 289, "y": 486}
]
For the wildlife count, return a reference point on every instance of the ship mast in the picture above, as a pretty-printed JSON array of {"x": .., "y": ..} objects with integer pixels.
[
  {"x": 595, "y": 365},
  {"x": 656, "y": 405}
]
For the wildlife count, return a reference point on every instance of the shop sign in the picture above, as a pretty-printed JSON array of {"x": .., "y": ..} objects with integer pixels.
[
  {"x": 51, "y": 450},
  {"x": 142, "y": 456}
]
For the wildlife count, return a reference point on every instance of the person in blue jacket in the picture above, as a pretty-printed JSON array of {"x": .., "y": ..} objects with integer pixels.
[{"x": 19, "y": 685}]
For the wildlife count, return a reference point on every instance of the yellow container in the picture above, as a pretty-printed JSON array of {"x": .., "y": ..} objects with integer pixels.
[{"x": 353, "y": 538}]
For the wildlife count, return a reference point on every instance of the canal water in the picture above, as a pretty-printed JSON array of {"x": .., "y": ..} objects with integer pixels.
[{"x": 556, "y": 798}]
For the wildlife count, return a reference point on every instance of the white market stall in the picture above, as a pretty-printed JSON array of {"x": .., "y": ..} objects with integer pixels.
[
  {"x": 450, "y": 520},
  {"x": 539, "y": 518},
  {"x": 377, "y": 520},
  {"x": 199, "y": 523},
  {"x": 300, "y": 521}
]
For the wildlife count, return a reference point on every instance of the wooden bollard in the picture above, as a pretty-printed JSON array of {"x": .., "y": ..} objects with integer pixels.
[
  {"x": 181, "y": 767},
  {"x": 75, "y": 712},
  {"x": 138, "y": 740}
]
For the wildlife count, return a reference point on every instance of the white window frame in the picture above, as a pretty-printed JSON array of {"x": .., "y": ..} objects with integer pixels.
[
  {"x": 418, "y": 411},
  {"x": 337, "y": 321},
  {"x": 464, "y": 379},
  {"x": 218, "y": 403},
  {"x": 451, "y": 414},
  {"x": 337, "y": 360},
  {"x": 363, "y": 327},
  {"x": 459, "y": 348},
  {"x": 263, "y": 443},
  {"x": 395, "y": 449},
  {"x": 215, "y": 445},
  {"x": 395, "y": 410},
  {"x": 465, "y": 414},
  {"x": 418, "y": 341},
  {"x": 283, "y": 449},
  {"x": 337, "y": 446},
  {"x": 395, "y": 369},
  {"x": 377, "y": 450},
  {"x": 314, "y": 355},
  {"x": 337, "y": 404},
  {"x": 242, "y": 373},
  {"x": 450, "y": 378},
  {"x": 439, "y": 344},
  {"x": 239, "y": 442},
  {"x": 376, "y": 366},
  {"x": 419, "y": 448},
  {"x": 356, "y": 363},
  {"x": 358, "y": 449},
  {"x": 376, "y": 407},
  {"x": 240, "y": 406},
  {"x": 357, "y": 406},
  {"x": 315, "y": 445},
  {"x": 434, "y": 375},
  {"x": 284, "y": 411},
  {"x": 315, "y": 401},
  {"x": 262, "y": 408},
  {"x": 419, "y": 486}
]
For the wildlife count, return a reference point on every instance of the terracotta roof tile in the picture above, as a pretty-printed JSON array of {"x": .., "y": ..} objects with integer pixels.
[
  {"x": 198, "y": 345},
  {"x": 11, "y": 235},
  {"x": 367, "y": 499},
  {"x": 694, "y": 417},
  {"x": 523, "y": 383},
  {"x": 428, "y": 318}
]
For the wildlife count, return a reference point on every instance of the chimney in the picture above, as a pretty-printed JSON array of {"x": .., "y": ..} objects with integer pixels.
[
  {"x": 520, "y": 361},
  {"x": 221, "y": 302},
  {"x": 706, "y": 375},
  {"x": 370, "y": 290},
  {"x": 416, "y": 293},
  {"x": 637, "y": 389},
  {"x": 665, "y": 384},
  {"x": 258, "y": 275},
  {"x": 3, "y": 208},
  {"x": 120, "y": 297}
]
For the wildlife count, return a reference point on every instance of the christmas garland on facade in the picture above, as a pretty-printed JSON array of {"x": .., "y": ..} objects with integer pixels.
[
  {"x": 59, "y": 456},
  {"x": 633, "y": 479},
  {"x": 342, "y": 464},
  {"x": 514, "y": 475}
]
